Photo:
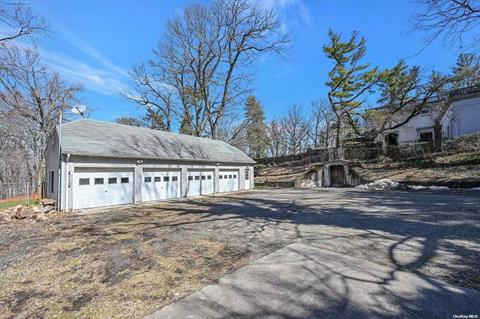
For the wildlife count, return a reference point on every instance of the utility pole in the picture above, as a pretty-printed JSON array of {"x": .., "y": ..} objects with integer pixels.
[{"x": 59, "y": 179}]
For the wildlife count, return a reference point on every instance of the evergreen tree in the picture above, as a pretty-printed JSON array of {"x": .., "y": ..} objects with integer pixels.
[
  {"x": 467, "y": 70},
  {"x": 155, "y": 120},
  {"x": 348, "y": 80},
  {"x": 256, "y": 135},
  {"x": 186, "y": 125}
]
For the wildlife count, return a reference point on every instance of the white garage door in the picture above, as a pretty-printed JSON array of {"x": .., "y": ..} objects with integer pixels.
[
  {"x": 97, "y": 187},
  {"x": 227, "y": 181},
  {"x": 159, "y": 185},
  {"x": 199, "y": 183}
]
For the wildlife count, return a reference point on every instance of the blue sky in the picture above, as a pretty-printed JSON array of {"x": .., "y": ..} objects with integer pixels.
[{"x": 97, "y": 42}]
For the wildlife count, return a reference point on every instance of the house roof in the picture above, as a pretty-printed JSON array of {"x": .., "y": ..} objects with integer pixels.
[{"x": 105, "y": 139}]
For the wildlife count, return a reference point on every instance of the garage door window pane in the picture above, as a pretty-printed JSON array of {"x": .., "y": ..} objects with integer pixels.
[
  {"x": 197, "y": 178},
  {"x": 166, "y": 178},
  {"x": 190, "y": 178},
  {"x": 98, "y": 181},
  {"x": 84, "y": 181},
  {"x": 225, "y": 176},
  {"x": 230, "y": 176},
  {"x": 158, "y": 179},
  {"x": 203, "y": 177},
  {"x": 234, "y": 176},
  {"x": 112, "y": 180},
  {"x": 220, "y": 177},
  {"x": 209, "y": 177},
  {"x": 124, "y": 180},
  {"x": 174, "y": 178},
  {"x": 148, "y": 179}
]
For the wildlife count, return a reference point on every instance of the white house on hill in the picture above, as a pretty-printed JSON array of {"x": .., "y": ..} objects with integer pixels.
[
  {"x": 102, "y": 164},
  {"x": 455, "y": 115}
]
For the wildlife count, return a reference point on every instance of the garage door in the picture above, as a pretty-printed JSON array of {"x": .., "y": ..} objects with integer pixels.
[
  {"x": 158, "y": 185},
  {"x": 97, "y": 187},
  {"x": 227, "y": 181},
  {"x": 199, "y": 183}
]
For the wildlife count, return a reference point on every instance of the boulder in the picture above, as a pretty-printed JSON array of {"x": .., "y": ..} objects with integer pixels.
[
  {"x": 22, "y": 212},
  {"x": 47, "y": 202}
]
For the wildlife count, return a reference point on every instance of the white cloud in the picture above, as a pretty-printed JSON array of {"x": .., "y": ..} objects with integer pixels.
[
  {"x": 92, "y": 52},
  {"x": 285, "y": 8},
  {"x": 101, "y": 80}
]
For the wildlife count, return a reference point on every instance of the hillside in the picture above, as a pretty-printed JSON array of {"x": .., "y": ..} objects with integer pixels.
[{"x": 457, "y": 170}]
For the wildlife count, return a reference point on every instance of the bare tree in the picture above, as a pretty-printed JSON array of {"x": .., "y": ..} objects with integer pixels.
[
  {"x": 155, "y": 95},
  {"x": 452, "y": 19},
  {"x": 17, "y": 20},
  {"x": 322, "y": 123},
  {"x": 295, "y": 130},
  {"x": 276, "y": 138},
  {"x": 205, "y": 60},
  {"x": 31, "y": 100},
  {"x": 129, "y": 120}
]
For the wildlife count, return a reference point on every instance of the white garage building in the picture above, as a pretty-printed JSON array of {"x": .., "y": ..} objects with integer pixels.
[{"x": 103, "y": 164}]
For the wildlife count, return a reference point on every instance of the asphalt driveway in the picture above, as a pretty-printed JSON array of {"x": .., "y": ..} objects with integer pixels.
[{"x": 133, "y": 260}]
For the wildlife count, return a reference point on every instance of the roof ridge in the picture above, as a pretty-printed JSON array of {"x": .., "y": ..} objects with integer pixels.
[{"x": 148, "y": 129}]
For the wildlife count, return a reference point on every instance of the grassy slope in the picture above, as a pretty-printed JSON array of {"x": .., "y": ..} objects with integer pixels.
[{"x": 453, "y": 170}]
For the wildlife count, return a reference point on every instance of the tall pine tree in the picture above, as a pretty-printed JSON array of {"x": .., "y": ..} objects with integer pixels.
[
  {"x": 348, "y": 81},
  {"x": 256, "y": 136}
]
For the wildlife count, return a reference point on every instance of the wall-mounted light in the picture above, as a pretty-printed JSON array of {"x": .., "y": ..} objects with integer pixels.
[
  {"x": 139, "y": 162},
  {"x": 218, "y": 164}
]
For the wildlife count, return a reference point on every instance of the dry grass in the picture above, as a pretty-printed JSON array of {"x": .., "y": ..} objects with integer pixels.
[
  {"x": 104, "y": 267},
  {"x": 454, "y": 170}
]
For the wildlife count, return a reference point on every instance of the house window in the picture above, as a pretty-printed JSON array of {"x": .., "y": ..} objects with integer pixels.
[
  {"x": 124, "y": 180},
  {"x": 190, "y": 178},
  {"x": 209, "y": 177},
  {"x": 84, "y": 181},
  {"x": 158, "y": 179},
  {"x": 174, "y": 178},
  {"x": 426, "y": 137},
  {"x": 112, "y": 180},
  {"x": 166, "y": 178},
  {"x": 98, "y": 181},
  {"x": 52, "y": 181},
  {"x": 247, "y": 175},
  {"x": 148, "y": 179}
]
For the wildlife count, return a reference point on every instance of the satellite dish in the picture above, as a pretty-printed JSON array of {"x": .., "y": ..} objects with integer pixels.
[{"x": 79, "y": 109}]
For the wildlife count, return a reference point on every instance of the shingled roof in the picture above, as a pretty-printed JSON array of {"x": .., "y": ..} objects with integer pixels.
[{"x": 106, "y": 139}]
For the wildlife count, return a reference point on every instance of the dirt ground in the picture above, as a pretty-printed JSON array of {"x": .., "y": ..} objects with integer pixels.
[{"x": 130, "y": 261}]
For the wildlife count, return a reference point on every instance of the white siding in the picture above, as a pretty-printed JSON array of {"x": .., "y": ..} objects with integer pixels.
[
  {"x": 463, "y": 118},
  {"x": 77, "y": 163}
]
